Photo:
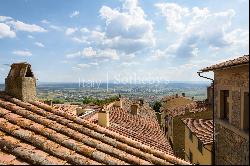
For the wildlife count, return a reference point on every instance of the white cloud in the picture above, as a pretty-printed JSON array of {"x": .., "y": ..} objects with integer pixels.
[
  {"x": 70, "y": 31},
  {"x": 84, "y": 30},
  {"x": 238, "y": 37},
  {"x": 39, "y": 44},
  {"x": 73, "y": 55},
  {"x": 74, "y": 14},
  {"x": 128, "y": 29},
  {"x": 108, "y": 53},
  {"x": 83, "y": 65},
  {"x": 57, "y": 28},
  {"x": 94, "y": 63},
  {"x": 157, "y": 55},
  {"x": 30, "y": 37},
  {"x": 173, "y": 14},
  {"x": 22, "y": 53},
  {"x": 5, "y": 31},
  {"x": 81, "y": 39},
  {"x": 129, "y": 63},
  {"x": 45, "y": 21},
  {"x": 105, "y": 53},
  {"x": 195, "y": 28},
  {"x": 5, "y": 18},
  {"x": 89, "y": 52},
  {"x": 20, "y": 26}
]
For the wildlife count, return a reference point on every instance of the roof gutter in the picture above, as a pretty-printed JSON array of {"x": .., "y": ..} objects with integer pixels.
[
  {"x": 199, "y": 73},
  {"x": 213, "y": 147}
]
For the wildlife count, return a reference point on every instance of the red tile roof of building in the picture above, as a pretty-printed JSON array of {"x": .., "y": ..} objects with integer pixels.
[
  {"x": 177, "y": 106},
  {"x": 203, "y": 129},
  {"x": 70, "y": 109},
  {"x": 35, "y": 133},
  {"x": 142, "y": 127},
  {"x": 234, "y": 62}
]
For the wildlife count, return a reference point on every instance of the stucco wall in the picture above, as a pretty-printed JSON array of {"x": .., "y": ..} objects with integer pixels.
[
  {"x": 204, "y": 158},
  {"x": 179, "y": 130}
]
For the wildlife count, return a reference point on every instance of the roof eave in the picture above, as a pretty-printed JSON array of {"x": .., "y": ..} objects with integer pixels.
[{"x": 226, "y": 67}]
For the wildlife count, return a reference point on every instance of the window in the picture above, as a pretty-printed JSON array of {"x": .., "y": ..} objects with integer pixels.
[
  {"x": 166, "y": 124},
  {"x": 190, "y": 156},
  {"x": 246, "y": 112},
  {"x": 200, "y": 146},
  {"x": 166, "y": 129},
  {"x": 190, "y": 135},
  {"x": 224, "y": 105}
]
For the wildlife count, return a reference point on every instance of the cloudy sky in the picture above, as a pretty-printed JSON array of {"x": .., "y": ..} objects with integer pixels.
[{"x": 150, "y": 39}]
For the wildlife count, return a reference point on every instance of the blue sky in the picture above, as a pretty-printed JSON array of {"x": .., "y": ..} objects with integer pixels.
[{"x": 89, "y": 39}]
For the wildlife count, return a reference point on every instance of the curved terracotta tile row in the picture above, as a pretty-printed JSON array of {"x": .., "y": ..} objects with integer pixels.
[
  {"x": 203, "y": 129},
  {"x": 156, "y": 156},
  {"x": 146, "y": 130},
  {"x": 67, "y": 142},
  {"x": 102, "y": 130},
  {"x": 71, "y": 133},
  {"x": 43, "y": 143},
  {"x": 137, "y": 127},
  {"x": 26, "y": 152}
]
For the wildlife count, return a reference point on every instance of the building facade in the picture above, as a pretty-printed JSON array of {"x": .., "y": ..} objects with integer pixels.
[
  {"x": 231, "y": 111},
  {"x": 198, "y": 141},
  {"x": 173, "y": 110}
]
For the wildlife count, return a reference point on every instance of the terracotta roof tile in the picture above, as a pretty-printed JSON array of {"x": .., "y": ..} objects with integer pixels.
[
  {"x": 238, "y": 61},
  {"x": 139, "y": 128},
  {"x": 6, "y": 158},
  {"x": 53, "y": 137},
  {"x": 203, "y": 129}
]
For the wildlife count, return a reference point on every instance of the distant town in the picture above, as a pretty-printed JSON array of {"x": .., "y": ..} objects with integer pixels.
[{"x": 75, "y": 93}]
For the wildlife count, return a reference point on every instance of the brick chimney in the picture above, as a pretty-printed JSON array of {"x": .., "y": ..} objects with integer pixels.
[
  {"x": 103, "y": 118},
  {"x": 118, "y": 103},
  {"x": 141, "y": 102},
  {"x": 79, "y": 111},
  {"x": 134, "y": 109},
  {"x": 21, "y": 82}
]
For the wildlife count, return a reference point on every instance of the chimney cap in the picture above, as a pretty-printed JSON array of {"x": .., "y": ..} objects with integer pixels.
[{"x": 21, "y": 69}]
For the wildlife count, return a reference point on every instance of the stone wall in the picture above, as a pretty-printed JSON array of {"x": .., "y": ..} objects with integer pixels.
[
  {"x": 231, "y": 147},
  {"x": 236, "y": 107},
  {"x": 23, "y": 88}
]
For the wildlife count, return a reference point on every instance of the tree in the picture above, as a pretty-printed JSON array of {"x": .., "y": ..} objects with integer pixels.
[{"x": 157, "y": 105}]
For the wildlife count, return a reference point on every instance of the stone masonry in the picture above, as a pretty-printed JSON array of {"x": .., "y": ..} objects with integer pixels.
[
  {"x": 20, "y": 82},
  {"x": 231, "y": 142}
]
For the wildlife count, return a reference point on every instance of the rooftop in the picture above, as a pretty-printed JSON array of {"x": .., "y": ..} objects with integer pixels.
[
  {"x": 35, "y": 133},
  {"x": 171, "y": 102},
  {"x": 176, "y": 106},
  {"x": 234, "y": 62},
  {"x": 142, "y": 127},
  {"x": 201, "y": 128}
]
